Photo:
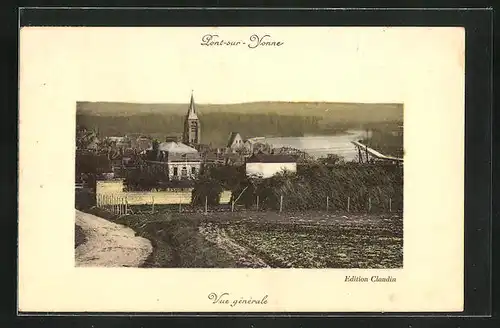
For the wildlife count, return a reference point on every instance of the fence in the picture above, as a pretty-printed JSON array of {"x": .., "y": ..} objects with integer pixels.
[
  {"x": 344, "y": 204},
  {"x": 127, "y": 203},
  {"x": 122, "y": 203},
  {"x": 142, "y": 198}
]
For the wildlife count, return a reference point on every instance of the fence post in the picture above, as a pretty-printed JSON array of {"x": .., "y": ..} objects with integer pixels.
[
  {"x": 152, "y": 204},
  {"x": 390, "y": 204},
  {"x": 257, "y": 202},
  {"x": 206, "y": 204},
  {"x": 348, "y": 203},
  {"x": 180, "y": 201},
  {"x": 126, "y": 206},
  {"x": 281, "y": 203},
  {"x": 327, "y": 199},
  {"x": 232, "y": 206},
  {"x": 369, "y": 204}
]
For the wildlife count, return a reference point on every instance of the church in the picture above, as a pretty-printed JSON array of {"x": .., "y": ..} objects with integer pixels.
[
  {"x": 179, "y": 160},
  {"x": 192, "y": 126}
]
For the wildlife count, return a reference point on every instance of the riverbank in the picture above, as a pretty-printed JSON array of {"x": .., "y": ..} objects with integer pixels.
[{"x": 108, "y": 244}]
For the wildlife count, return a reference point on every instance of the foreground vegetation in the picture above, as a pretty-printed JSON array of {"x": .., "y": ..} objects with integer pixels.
[
  {"x": 176, "y": 241},
  {"x": 366, "y": 185},
  {"x": 268, "y": 239}
]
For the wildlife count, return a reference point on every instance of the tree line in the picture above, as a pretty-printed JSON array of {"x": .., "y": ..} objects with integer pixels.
[
  {"x": 215, "y": 127},
  {"x": 308, "y": 188}
]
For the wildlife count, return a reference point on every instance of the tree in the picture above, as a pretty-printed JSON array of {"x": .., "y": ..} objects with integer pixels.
[
  {"x": 84, "y": 137},
  {"x": 333, "y": 159}
]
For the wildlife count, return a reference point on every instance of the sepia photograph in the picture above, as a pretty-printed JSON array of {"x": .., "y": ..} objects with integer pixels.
[{"x": 256, "y": 183}]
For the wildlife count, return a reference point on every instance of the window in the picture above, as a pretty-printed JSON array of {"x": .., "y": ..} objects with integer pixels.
[
  {"x": 184, "y": 171},
  {"x": 193, "y": 170},
  {"x": 175, "y": 171}
]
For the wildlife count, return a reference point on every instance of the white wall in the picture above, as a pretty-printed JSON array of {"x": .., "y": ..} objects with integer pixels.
[
  {"x": 180, "y": 165},
  {"x": 109, "y": 186},
  {"x": 267, "y": 170}
]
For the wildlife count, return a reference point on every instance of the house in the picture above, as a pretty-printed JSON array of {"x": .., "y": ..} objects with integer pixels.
[
  {"x": 178, "y": 160},
  {"x": 142, "y": 143},
  {"x": 183, "y": 166},
  {"x": 120, "y": 142},
  {"x": 256, "y": 145},
  {"x": 235, "y": 142},
  {"x": 266, "y": 166}
]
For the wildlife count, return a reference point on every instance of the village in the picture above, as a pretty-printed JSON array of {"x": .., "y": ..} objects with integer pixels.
[
  {"x": 144, "y": 163},
  {"x": 176, "y": 158}
]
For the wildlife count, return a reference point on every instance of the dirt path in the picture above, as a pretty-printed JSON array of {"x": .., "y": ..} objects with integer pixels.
[
  {"x": 108, "y": 244},
  {"x": 243, "y": 256}
]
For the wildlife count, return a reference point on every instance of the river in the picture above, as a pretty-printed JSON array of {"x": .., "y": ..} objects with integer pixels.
[{"x": 320, "y": 146}]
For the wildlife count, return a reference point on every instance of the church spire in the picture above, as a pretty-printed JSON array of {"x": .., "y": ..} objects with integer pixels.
[
  {"x": 191, "y": 134},
  {"x": 192, "y": 109}
]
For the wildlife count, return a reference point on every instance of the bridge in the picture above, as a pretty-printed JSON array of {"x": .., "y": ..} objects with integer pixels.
[{"x": 366, "y": 153}]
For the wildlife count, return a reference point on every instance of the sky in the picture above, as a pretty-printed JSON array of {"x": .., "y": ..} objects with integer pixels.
[{"x": 163, "y": 65}]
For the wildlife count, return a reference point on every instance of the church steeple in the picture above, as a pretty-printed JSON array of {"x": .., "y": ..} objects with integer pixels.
[
  {"x": 192, "y": 109},
  {"x": 191, "y": 125}
]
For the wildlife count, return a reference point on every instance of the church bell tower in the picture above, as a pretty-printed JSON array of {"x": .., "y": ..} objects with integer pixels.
[{"x": 191, "y": 134}]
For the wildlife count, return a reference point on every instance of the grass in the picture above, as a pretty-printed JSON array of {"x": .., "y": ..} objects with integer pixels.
[
  {"x": 176, "y": 242},
  {"x": 299, "y": 240}
]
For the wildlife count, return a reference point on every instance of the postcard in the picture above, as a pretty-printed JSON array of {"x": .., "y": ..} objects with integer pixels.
[{"x": 241, "y": 169}]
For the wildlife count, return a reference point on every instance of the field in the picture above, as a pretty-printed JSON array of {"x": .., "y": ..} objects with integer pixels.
[{"x": 269, "y": 239}]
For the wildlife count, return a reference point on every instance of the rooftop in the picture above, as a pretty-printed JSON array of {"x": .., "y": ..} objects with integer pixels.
[
  {"x": 232, "y": 136},
  {"x": 175, "y": 147}
]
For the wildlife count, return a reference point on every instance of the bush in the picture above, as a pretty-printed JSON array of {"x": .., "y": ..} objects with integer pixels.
[
  {"x": 309, "y": 187},
  {"x": 176, "y": 241}
]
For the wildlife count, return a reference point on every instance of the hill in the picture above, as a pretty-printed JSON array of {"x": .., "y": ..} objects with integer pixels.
[
  {"x": 250, "y": 119},
  {"x": 323, "y": 109}
]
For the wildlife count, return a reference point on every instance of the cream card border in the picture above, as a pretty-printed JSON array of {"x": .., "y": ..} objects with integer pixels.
[{"x": 428, "y": 65}]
